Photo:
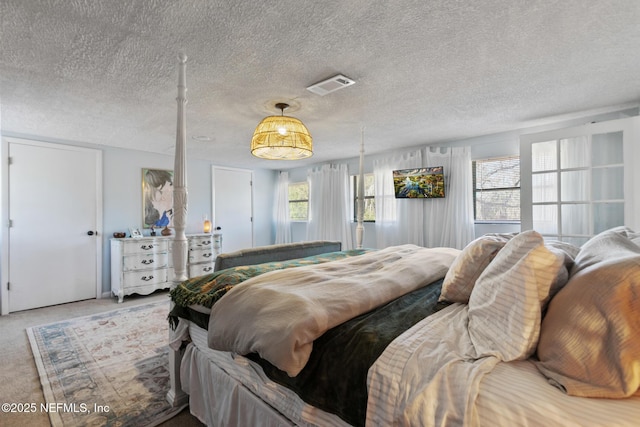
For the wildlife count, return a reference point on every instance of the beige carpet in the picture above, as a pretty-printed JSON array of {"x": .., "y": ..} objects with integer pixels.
[{"x": 19, "y": 380}]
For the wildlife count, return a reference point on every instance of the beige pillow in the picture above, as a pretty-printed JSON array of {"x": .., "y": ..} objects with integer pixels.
[
  {"x": 506, "y": 303},
  {"x": 590, "y": 338},
  {"x": 469, "y": 265}
]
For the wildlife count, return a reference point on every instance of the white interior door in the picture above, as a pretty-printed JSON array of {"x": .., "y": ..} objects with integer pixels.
[
  {"x": 233, "y": 207},
  {"x": 55, "y": 215}
]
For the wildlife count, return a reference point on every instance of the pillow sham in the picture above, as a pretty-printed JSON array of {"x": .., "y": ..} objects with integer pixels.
[
  {"x": 589, "y": 344},
  {"x": 469, "y": 265},
  {"x": 506, "y": 303}
]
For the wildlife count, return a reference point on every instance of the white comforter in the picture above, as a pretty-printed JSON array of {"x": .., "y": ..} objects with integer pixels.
[{"x": 279, "y": 314}]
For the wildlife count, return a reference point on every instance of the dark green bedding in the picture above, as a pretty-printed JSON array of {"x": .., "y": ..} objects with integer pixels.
[
  {"x": 335, "y": 378},
  {"x": 207, "y": 289}
]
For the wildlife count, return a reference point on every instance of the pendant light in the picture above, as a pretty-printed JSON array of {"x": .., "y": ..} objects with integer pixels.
[{"x": 281, "y": 138}]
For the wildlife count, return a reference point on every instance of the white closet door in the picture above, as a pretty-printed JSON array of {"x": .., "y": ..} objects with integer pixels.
[
  {"x": 55, "y": 212},
  {"x": 233, "y": 207}
]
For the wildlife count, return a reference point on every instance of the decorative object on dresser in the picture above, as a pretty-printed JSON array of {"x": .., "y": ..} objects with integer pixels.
[
  {"x": 206, "y": 224},
  {"x": 143, "y": 265},
  {"x": 134, "y": 232}
]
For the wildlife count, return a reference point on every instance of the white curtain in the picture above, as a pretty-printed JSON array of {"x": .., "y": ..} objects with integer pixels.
[
  {"x": 398, "y": 221},
  {"x": 283, "y": 223},
  {"x": 329, "y": 205},
  {"x": 449, "y": 221}
]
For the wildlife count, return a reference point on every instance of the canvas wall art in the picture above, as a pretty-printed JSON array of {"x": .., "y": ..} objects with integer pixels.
[{"x": 157, "y": 198}]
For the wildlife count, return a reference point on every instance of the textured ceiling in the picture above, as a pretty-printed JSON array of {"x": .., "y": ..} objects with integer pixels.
[{"x": 427, "y": 71}]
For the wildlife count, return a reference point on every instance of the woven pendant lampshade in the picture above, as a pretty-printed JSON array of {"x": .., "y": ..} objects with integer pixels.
[{"x": 281, "y": 138}]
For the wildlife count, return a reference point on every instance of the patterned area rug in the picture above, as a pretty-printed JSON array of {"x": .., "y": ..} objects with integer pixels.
[{"x": 107, "y": 369}]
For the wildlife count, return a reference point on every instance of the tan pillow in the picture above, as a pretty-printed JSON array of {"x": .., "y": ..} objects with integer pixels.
[
  {"x": 590, "y": 337},
  {"x": 506, "y": 303},
  {"x": 469, "y": 265}
]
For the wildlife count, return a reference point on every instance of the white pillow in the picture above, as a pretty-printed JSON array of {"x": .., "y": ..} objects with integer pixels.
[
  {"x": 469, "y": 265},
  {"x": 506, "y": 303}
]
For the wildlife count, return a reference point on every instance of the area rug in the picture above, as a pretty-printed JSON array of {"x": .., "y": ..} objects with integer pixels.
[{"x": 107, "y": 369}]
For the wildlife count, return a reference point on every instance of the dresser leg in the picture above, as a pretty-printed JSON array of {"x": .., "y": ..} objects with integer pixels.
[{"x": 120, "y": 296}]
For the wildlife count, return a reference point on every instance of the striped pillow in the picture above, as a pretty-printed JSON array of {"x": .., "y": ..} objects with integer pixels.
[
  {"x": 469, "y": 265},
  {"x": 506, "y": 303}
]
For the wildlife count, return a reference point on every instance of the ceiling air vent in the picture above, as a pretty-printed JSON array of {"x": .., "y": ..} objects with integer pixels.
[{"x": 330, "y": 85}]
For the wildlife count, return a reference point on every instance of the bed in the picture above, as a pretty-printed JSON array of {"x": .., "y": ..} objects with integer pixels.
[{"x": 511, "y": 330}]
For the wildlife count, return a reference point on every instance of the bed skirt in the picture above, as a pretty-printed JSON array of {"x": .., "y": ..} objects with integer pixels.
[{"x": 227, "y": 390}]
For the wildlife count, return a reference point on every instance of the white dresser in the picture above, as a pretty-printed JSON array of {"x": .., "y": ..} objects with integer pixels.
[{"x": 144, "y": 265}]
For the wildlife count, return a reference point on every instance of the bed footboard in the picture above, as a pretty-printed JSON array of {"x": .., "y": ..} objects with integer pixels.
[{"x": 281, "y": 252}]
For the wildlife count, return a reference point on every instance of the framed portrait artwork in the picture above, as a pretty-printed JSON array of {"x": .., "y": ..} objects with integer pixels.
[{"x": 157, "y": 198}]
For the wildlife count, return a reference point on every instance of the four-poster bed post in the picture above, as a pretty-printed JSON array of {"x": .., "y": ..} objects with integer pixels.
[
  {"x": 360, "y": 216},
  {"x": 180, "y": 179},
  {"x": 175, "y": 395}
]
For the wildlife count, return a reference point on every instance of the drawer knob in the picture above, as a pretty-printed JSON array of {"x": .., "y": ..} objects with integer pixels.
[
  {"x": 146, "y": 247},
  {"x": 207, "y": 255},
  {"x": 147, "y": 278},
  {"x": 207, "y": 269},
  {"x": 147, "y": 261}
]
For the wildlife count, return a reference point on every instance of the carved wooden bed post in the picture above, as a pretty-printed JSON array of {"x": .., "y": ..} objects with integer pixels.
[
  {"x": 176, "y": 396},
  {"x": 180, "y": 180},
  {"x": 360, "y": 213}
]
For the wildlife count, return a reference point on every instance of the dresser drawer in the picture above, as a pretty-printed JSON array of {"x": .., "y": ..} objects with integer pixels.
[
  {"x": 144, "y": 277},
  {"x": 200, "y": 269},
  {"x": 137, "y": 246},
  {"x": 200, "y": 241},
  {"x": 200, "y": 255},
  {"x": 145, "y": 261}
]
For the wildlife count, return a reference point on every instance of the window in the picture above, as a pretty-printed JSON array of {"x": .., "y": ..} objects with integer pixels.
[
  {"x": 496, "y": 195},
  {"x": 299, "y": 201},
  {"x": 369, "y": 198}
]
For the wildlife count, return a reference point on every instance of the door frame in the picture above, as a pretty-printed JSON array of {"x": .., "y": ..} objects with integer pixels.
[
  {"x": 5, "y": 141},
  {"x": 213, "y": 197}
]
